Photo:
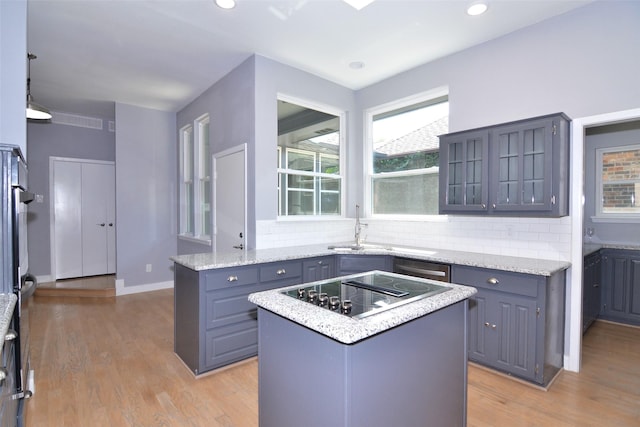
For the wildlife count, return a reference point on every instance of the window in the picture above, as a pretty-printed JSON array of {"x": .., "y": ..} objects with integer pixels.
[
  {"x": 195, "y": 183},
  {"x": 186, "y": 181},
  {"x": 403, "y": 161},
  {"x": 618, "y": 182},
  {"x": 309, "y": 172}
]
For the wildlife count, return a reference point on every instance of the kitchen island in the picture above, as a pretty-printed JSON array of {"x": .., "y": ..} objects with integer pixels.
[{"x": 406, "y": 365}]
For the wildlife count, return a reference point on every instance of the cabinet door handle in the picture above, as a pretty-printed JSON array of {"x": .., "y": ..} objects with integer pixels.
[
  {"x": 596, "y": 285},
  {"x": 484, "y": 206},
  {"x": 11, "y": 335},
  {"x": 489, "y": 325},
  {"x": 232, "y": 279},
  {"x": 493, "y": 281},
  {"x": 281, "y": 272}
]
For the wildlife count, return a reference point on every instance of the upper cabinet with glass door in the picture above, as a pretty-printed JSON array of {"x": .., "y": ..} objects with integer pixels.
[
  {"x": 525, "y": 170},
  {"x": 309, "y": 172}
]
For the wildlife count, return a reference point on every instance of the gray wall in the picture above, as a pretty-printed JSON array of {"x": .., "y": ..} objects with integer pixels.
[
  {"x": 13, "y": 73},
  {"x": 146, "y": 203},
  {"x": 583, "y": 63},
  {"x": 57, "y": 140},
  {"x": 230, "y": 105},
  {"x": 602, "y": 137},
  {"x": 273, "y": 78}
]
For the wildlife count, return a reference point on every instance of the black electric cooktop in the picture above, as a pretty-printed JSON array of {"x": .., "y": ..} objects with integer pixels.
[{"x": 366, "y": 294}]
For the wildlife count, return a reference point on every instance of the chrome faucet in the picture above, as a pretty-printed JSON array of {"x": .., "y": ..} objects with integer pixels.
[{"x": 358, "y": 226}]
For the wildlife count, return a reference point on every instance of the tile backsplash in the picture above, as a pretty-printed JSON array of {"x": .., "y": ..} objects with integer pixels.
[{"x": 544, "y": 238}]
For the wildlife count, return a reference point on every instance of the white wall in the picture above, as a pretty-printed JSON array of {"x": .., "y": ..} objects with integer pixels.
[{"x": 146, "y": 198}]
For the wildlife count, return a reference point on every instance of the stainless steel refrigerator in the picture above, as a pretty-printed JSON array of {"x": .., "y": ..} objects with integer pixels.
[{"x": 15, "y": 278}]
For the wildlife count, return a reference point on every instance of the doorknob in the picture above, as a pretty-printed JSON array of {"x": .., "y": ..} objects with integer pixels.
[{"x": 240, "y": 246}]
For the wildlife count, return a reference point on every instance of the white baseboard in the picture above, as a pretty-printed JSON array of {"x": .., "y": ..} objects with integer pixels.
[
  {"x": 44, "y": 279},
  {"x": 121, "y": 289}
]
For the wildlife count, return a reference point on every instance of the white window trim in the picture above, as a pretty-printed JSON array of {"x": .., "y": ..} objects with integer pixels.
[
  {"x": 367, "y": 166},
  {"x": 198, "y": 177},
  {"x": 185, "y": 130},
  {"x": 341, "y": 114},
  {"x": 610, "y": 217}
]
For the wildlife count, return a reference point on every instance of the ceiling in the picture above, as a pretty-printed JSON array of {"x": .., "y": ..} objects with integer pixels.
[{"x": 162, "y": 54}]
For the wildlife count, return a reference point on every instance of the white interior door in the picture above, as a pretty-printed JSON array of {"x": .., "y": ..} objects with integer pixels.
[
  {"x": 83, "y": 220},
  {"x": 97, "y": 219},
  {"x": 229, "y": 199}
]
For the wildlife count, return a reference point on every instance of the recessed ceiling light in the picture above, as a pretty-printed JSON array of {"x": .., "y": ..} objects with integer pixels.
[
  {"x": 477, "y": 9},
  {"x": 356, "y": 65},
  {"x": 358, "y": 4},
  {"x": 226, "y": 4}
]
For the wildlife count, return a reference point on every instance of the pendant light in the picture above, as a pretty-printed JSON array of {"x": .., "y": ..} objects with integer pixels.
[{"x": 34, "y": 111}]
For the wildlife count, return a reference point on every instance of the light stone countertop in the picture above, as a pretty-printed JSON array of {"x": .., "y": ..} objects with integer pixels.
[
  {"x": 208, "y": 261},
  {"x": 590, "y": 248},
  {"x": 346, "y": 329},
  {"x": 7, "y": 305}
]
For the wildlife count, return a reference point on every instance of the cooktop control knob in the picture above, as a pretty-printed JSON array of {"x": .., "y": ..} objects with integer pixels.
[
  {"x": 346, "y": 306},
  {"x": 312, "y": 296},
  {"x": 334, "y": 302},
  {"x": 323, "y": 299},
  {"x": 301, "y": 293}
]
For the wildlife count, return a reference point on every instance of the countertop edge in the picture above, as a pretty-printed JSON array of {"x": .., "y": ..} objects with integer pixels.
[
  {"x": 210, "y": 261},
  {"x": 346, "y": 329},
  {"x": 7, "y": 306}
]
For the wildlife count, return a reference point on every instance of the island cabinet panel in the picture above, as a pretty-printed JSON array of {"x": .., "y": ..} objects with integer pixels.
[
  {"x": 319, "y": 268},
  {"x": 215, "y": 324},
  {"x": 621, "y": 286},
  {"x": 513, "y": 169},
  {"x": 353, "y": 264},
  {"x": 516, "y": 321},
  {"x": 412, "y": 375},
  {"x": 591, "y": 289}
]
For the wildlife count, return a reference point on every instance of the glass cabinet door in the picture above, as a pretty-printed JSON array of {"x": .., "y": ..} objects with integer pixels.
[
  {"x": 463, "y": 158},
  {"x": 522, "y": 175}
]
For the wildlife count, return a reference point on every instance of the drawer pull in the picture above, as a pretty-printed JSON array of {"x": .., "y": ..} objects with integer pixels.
[
  {"x": 281, "y": 272},
  {"x": 493, "y": 281},
  {"x": 11, "y": 335},
  {"x": 232, "y": 279},
  {"x": 489, "y": 325}
]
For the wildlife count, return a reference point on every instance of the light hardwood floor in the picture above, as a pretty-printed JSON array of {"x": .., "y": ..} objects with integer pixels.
[{"x": 110, "y": 362}]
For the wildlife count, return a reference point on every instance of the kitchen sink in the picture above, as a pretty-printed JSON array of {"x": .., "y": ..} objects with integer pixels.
[{"x": 360, "y": 247}]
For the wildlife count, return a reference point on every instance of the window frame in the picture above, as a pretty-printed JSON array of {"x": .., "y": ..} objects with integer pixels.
[
  {"x": 199, "y": 161},
  {"x": 324, "y": 108},
  {"x": 600, "y": 215},
  {"x": 367, "y": 158}
]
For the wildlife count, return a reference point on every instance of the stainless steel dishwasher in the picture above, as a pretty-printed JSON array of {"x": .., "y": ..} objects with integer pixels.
[{"x": 424, "y": 269}]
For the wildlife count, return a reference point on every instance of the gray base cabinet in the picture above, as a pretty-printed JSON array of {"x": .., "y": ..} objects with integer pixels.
[
  {"x": 413, "y": 375},
  {"x": 621, "y": 286},
  {"x": 516, "y": 321},
  {"x": 513, "y": 169},
  {"x": 591, "y": 289},
  {"x": 215, "y": 324},
  {"x": 320, "y": 268}
]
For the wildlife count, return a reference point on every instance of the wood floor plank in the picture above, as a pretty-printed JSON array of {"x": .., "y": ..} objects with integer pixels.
[{"x": 110, "y": 362}]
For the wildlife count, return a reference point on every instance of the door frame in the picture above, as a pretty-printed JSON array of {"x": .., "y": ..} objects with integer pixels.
[
  {"x": 573, "y": 303},
  {"x": 214, "y": 235},
  {"x": 52, "y": 234}
]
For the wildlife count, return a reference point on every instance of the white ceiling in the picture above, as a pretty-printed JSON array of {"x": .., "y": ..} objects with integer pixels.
[{"x": 162, "y": 54}]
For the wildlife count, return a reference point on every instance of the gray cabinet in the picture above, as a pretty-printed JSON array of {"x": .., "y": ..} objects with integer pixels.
[
  {"x": 8, "y": 386},
  {"x": 353, "y": 264},
  {"x": 516, "y": 321},
  {"x": 319, "y": 268},
  {"x": 519, "y": 168},
  {"x": 591, "y": 289},
  {"x": 215, "y": 324},
  {"x": 621, "y": 286}
]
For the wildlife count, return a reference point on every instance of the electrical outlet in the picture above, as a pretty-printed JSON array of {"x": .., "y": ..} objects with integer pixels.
[{"x": 148, "y": 268}]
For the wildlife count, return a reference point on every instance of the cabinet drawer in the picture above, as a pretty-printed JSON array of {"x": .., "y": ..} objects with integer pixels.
[
  {"x": 230, "y": 344},
  {"x": 226, "y": 277},
  {"x": 280, "y": 271},
  {"x": 497, "y": 280},
  {"x": 349, "y": 264}
]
